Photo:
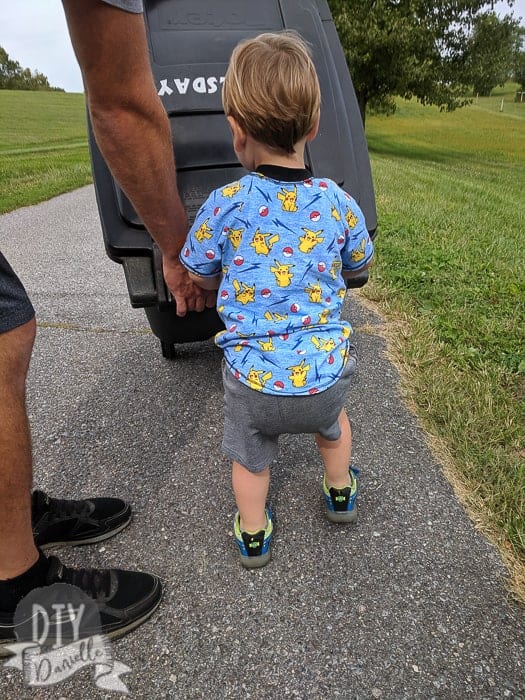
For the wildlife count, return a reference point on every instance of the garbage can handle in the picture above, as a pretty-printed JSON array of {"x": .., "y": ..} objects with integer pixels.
[{"x": 163, "y": 293}]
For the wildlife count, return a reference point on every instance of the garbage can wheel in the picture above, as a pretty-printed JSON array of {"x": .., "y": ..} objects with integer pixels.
[{"x": 168, "y": 350}]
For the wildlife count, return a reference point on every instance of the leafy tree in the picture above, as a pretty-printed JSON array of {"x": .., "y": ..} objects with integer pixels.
[
  {"x": 492, "y": 51},
  {"x": 518, "y": 72},
  {"x": 14, "y": 77},
  {"x": 410, "y": 48},
  {"x": 8, "y": 69}
]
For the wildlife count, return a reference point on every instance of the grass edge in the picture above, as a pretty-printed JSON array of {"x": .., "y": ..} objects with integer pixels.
[{"x": 391, "y": 321}]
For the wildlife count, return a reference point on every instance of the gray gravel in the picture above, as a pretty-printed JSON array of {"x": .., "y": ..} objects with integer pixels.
[{"x": 409, "y": 603}]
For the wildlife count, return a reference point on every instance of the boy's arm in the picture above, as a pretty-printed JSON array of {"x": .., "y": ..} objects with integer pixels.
[
  {"x": 201, "y": 252},
  {"x": 358, "y": 250}
]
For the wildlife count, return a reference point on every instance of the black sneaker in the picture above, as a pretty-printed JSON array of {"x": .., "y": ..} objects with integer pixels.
[
  {"x": 124, "y": 599},
  {"x": 58, "y": 521}
]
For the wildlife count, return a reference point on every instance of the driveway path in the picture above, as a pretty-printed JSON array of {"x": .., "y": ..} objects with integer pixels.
[{"x": 409, "y": 603}]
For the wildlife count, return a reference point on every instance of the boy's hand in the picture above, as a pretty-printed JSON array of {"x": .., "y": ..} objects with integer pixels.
[{"x": 187, "y": 295}]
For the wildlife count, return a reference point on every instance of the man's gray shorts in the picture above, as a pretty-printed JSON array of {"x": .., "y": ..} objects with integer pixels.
[
  {"x": 253, "y": 421},
  {"x": 15, "y": 307},
  {"x": 129, "y": 5}
]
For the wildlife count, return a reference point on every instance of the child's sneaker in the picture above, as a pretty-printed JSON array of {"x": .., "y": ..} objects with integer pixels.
[
  {"x": 341, "y": 506},
  {"x": 254, "y": 547}
]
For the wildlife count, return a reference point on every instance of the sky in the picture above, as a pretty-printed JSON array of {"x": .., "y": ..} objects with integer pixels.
[{"x": 34, "y": 33}]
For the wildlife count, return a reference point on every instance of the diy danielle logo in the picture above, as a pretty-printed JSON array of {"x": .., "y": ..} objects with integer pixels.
[{"x": 58, "y": 632}]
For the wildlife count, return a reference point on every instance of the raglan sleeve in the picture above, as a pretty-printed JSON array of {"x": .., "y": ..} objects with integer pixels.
[{"x": 357, "y": 249}]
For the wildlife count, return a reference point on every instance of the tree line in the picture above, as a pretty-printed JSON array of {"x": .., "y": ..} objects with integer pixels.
[
  {"x": 438, "y": 51},
  {"x": 14, "y": 77}
]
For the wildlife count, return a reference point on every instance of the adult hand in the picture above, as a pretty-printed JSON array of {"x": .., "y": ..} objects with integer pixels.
[{"x": 188, "y": 296}]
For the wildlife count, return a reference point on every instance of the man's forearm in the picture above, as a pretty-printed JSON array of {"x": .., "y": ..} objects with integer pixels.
[
  {"x": 130, "y": 124},
  {"x": 151, "y": 184}
]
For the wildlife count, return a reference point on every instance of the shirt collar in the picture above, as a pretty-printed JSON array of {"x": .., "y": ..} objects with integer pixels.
[{"x": 279, "y": 172}]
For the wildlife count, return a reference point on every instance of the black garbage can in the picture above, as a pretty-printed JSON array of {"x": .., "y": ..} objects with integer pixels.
[{"x": 190, "y": 44}]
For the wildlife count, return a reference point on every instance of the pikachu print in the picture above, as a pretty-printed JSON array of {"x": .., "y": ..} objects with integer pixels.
[
  {"x": 309, "y": 240},
  {"x": 231, "y": 190},
  {"x": 323, "y": 317},
  {"x": 282, "y": 273},
  {"x": 335, "y": 268},
  {"x": 315, "y": 292},
  {"x": 299, "y": 374},
  {"x": 288, "y": 199},
  {"x": 235, "y": 236},
  {"x": 350, "y": 218},
  {"x": 263, "y": 243},
  {"x": 257, "y": 378},
  {"x": 358, "y": 253},
  {"x": 203, "y": 232},
  {"x": 244, "y": 294},
  {"x": 324, "y": 345},
  {"x": 273, "y": 316},
  {"x": 267, "y": 345}
]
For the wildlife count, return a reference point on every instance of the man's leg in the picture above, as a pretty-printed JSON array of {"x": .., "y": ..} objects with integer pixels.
[
  {"x": 125, "y": 599},
  {"x": 17, "y": 548},
  {"x": 24, "y": 519}
]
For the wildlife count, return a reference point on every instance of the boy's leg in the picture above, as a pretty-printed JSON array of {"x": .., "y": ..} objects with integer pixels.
[
  {"x": 252, "y": 525},
  {"x": 251, "y": 490},
  {"x": 336, "y": 454},
  {"x": 339, "y": 483}
]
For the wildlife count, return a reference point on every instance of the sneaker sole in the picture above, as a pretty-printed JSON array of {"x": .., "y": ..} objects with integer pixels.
[
  {"x": 255, "y": 562},
  {"x": 113, "y": 634},
  {"x": 91, "y": 540},
  {"x": 345, "y": 516}
]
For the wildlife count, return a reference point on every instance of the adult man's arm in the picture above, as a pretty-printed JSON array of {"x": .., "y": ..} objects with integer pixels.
[{"x": 132, "y": 130}]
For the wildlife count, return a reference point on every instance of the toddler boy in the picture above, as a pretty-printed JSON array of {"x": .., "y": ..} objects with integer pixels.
[{"x": 277, "y": 245}]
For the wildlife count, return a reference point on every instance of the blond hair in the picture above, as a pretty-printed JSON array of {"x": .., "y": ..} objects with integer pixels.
[{"x": 272, "y": 90}]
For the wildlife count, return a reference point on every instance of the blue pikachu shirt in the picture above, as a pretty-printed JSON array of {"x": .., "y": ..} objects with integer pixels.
[{"x": 280, "y": 238}]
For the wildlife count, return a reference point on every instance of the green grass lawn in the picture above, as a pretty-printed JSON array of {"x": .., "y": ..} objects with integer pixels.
[
  {"x": 449, "y": 276},
  {"x": 43, "y": 146}
]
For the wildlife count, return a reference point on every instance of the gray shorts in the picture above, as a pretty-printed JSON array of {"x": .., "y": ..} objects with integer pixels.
[
  {"x": 15, "y": 307},
  {"x": 253, "y": 421},
  {"x": 129, "y": 5}
]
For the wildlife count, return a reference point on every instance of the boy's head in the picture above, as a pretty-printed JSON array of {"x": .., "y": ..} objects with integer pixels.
[{"x": 271, "y": 89}]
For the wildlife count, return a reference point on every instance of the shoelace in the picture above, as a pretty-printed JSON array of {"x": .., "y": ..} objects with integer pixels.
[
  {"x": 66, "y": 508},
  {"x": 95, "y": 582}
]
